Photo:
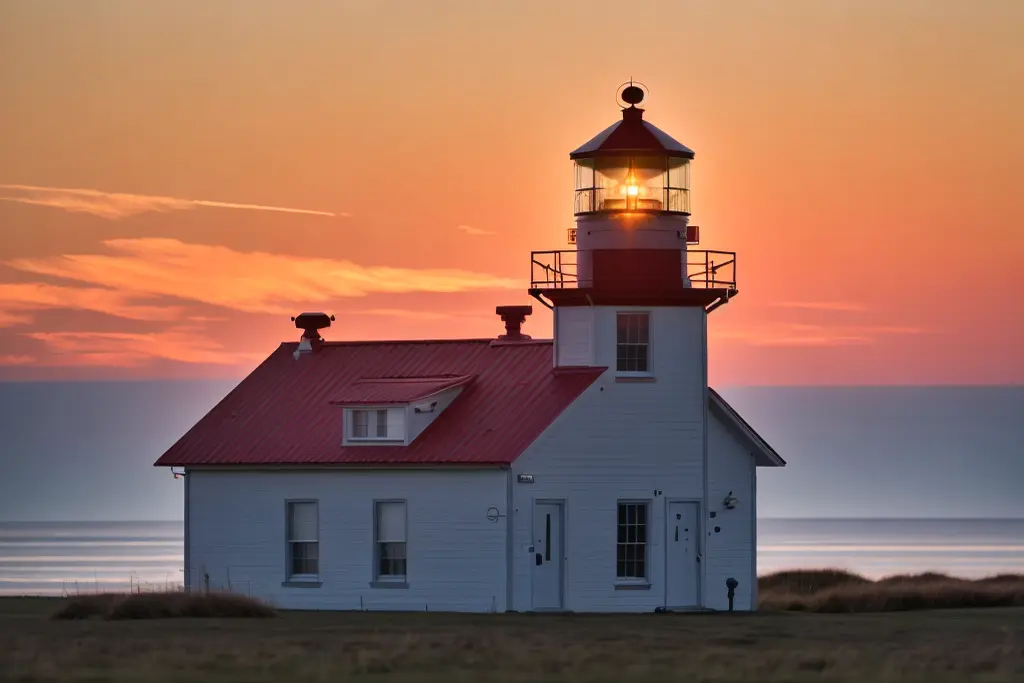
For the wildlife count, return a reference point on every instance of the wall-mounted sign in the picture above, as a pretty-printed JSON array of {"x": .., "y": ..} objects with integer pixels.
[
  {"x": 525, "y": 478},
  {"x": 572, "y": 235}
]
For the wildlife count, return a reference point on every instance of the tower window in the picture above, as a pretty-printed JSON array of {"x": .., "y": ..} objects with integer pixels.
[{"x": 633, "y": 342}]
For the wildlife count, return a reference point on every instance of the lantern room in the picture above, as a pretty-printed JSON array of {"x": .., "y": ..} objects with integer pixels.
[{"x": 632, "y": 166}]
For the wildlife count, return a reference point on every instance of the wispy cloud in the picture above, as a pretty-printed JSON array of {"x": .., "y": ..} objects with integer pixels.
[
  {"x": 115, "y": 205},
  {"x": 799, "y": 334},
  {"x": 9, "y": 360},
  {"x": 17, "y": 300},
  {"x": 119, "y": 349},
  {"x": 821, "y": 305},
  {"x": 10, "y": 319},
  {"x": 470, "y": 230},
  {"x": 255, "y": 282}
]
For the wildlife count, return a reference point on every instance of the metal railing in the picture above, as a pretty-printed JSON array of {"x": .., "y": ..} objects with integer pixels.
[{"x": 559, "y": 269}]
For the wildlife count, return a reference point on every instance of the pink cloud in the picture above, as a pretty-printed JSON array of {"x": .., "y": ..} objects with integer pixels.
[
  {"x": 119, "y": 349},
  {"x": 17, "y": 300},
  {"x": 802, "y": 334},
  {"x": 821, "y": 305},
  {"x": 115, "y": 205},
  {"x": 255, "y": 282}
]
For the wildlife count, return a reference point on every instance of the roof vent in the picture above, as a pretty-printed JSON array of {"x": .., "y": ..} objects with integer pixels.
[
  {"x": 513, "y": 317},
  {"x": 311, "y": 324}
]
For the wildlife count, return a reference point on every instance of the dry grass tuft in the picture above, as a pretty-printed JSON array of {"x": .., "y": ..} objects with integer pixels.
[
  {"x": 115, "y": 606},
  {"x": 807, "y": 581},
  {"x": 837, "y": 591}
]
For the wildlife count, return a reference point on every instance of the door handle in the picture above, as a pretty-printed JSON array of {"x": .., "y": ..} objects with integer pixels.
[
  {"x": 698, "y": 557},
  {"x": 540, "y": 559}
]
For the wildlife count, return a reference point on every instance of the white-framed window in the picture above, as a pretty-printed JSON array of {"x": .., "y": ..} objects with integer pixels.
[
  {"x": 302, "y": 521},
  {"x": 390, "y": 557},
  {"x": 631, "y": 544},
  {"x": 370, "y": 424},
  {"x": 632, "y": 343}
]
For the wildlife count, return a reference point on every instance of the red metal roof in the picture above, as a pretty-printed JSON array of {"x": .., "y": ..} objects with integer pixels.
[
  {"x": 282, "y": 413},
  {"x": 384, "y": 390}
]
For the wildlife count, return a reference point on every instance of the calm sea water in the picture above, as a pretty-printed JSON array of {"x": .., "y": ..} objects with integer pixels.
[{"x": 51, "y": 558}]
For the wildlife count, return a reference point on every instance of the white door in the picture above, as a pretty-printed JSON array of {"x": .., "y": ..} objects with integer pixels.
[
  {"x": 547, "y": 556},
  {"x": 683, "y": 578}
]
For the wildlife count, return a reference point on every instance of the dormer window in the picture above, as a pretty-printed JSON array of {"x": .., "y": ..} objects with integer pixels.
[
  {"x": 370, "y": 422},
  {"x": 376, "y": 424},
  {"x": 393, "y": 411},
  {"x": 632, "y": 347}
]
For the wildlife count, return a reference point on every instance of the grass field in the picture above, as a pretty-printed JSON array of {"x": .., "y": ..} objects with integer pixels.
[{"x": 955, "y": 645}]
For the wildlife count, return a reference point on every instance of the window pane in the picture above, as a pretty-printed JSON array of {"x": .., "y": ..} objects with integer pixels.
[
  {"x": 360, "y": 424},
  {"x": 633, "y": 335},
  {"x": 382, "y": 424},
  {"x": 302, "y": 522},
  {"x": 642, "y": 324},
  {"x": 390, "y": 522},
  {"x": 305, "y": 558},
  {"x": 392, "y": 560},
  {"x": 622, "y": 329}
]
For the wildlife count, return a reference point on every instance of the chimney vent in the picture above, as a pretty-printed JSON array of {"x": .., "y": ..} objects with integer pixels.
[
  {"x": 311, "y": 324},
  {"x": 513, "y": 317}
]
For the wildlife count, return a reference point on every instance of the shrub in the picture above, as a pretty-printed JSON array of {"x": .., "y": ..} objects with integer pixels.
[
  {"x": 807, "y": 581},
  {"x": 793, "y": 591},
  {"x": 164, "y": 606},
  {"x": 88, "y": 606}
]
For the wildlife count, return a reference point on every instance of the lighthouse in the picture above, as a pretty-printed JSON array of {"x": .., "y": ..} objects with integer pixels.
[{"x": 633, "y": 245}]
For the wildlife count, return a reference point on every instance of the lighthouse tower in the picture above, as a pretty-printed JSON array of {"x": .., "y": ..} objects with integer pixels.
[{"x": 633, "y": 257}]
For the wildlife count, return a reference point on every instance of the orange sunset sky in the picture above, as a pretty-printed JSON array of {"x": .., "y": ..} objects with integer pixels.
[{"x": 864, "y": 158}]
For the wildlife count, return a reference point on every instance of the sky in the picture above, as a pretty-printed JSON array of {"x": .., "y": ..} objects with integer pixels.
[{"x": 177, "y": 179}]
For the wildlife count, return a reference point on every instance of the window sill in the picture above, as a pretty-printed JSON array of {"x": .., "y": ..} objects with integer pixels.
[
  {"x": 357, "y": 441},
  {"x": 638, "y": 586},
  {"x": 302, "y": 583},
  {"x": 635, "y": 378},
  {"x": 389, "y": 584}
]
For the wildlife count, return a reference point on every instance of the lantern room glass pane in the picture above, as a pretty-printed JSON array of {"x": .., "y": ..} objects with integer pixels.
[
  {"x": 585, "y": 195},
  {"x": 632, "y": 183}
]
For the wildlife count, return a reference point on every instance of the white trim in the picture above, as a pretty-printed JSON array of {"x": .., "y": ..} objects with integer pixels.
[
  {"x": 753, "y": 532},
  {"x": 746, "y": 434},
  {"x": 702, "y": 576},
  {"x": 187, "y": 550}
]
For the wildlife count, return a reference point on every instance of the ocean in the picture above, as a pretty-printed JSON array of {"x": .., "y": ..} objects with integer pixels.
[
  {"x": 55, "y": 558},
  {"x": 936, "y": 470}
]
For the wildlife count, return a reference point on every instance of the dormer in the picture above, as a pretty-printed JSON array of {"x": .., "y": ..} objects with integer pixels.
[{"x": 393, "y": 411}]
